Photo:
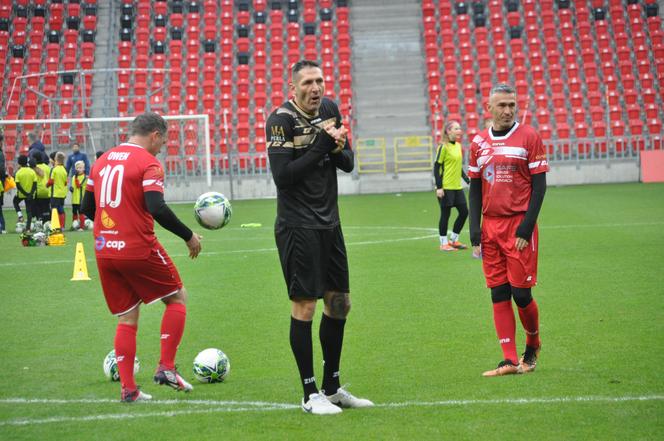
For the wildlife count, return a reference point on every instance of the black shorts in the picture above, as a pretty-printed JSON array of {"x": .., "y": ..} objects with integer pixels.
[
  {"x": 453, "y": 198},
  {"x": 59, "y": 204},
  {"x": 313, "y": 261}
]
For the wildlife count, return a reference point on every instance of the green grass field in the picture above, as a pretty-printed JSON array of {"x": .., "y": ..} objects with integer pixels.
[{"x": 418, "y": 337}]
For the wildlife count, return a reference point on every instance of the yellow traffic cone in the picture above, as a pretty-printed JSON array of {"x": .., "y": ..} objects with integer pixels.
[
  {"x": 55, "y": 236},
  {"x": 55, "y": 220},
  {"x": 80, "y": 265}
]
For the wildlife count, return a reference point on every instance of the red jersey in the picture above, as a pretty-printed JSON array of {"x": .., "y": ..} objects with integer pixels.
[
  {"x": 505, "y": 164},
  {"x": 124, "y": 229}
]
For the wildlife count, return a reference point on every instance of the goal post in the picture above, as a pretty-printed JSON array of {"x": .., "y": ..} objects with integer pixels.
[{"x": 186, "y": 153}]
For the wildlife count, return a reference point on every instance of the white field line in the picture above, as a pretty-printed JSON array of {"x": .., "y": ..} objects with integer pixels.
[
  {"x": 433, "y": 233},
  {"x": 260, "y": 406}
]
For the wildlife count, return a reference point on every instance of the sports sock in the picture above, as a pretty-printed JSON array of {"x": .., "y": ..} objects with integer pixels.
[
  {"x": 125, "y": 352},
  {"x": 61, "y": 217},
  {"x": 503, "y": 319},
  {"x": 81, "y": 219},
  {"x": 454, "y": 237},
  {"x": 331, "y": 340},
  {"x": 301, "y": 345},
  {"x": 443, "y": 240},
  {"x": 172, "y": 328},
  {"x": 530, "y": 320}
]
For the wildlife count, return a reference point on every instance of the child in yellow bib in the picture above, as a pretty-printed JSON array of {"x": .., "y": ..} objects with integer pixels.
[{"x": 77, "y": 187}]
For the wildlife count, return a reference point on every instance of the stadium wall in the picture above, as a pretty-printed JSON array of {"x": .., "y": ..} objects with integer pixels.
[{"x": 598, "y": 172}]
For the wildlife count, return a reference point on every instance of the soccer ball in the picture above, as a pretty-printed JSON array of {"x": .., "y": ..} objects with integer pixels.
[
  {"x": 20, "y": 227},
  {"x": 47, "y": 227},
  {"x": 211, "y": 366},
  {"x": 37, "y": 226},
  {"x": 89, "y": 225},
  {"x": 212, "y": 210},
  {"x": 111, "y": 366},
  {"x": 75, "y": 225}
]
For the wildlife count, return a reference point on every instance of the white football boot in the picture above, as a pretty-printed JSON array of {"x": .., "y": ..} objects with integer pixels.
[
  {"x": 345, "y": 399},
  {"x": 318, "y": 404}
]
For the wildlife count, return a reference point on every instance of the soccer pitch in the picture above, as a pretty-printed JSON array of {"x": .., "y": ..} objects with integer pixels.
[{"x": 418, "y": 337}]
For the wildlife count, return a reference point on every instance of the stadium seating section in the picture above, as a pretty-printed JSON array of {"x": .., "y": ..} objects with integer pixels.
[
  {"x": 581, "y": 69},
  {"x": 37, "y": 39},
  {"x": 230, "y": 60},
  {"x": 585, "y": 69}
]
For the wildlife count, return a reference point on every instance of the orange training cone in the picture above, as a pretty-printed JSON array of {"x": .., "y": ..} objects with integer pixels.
[{"x": 80, "y": 265}]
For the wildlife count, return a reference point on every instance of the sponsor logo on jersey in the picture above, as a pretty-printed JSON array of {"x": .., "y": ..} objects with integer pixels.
[
  {"x": 101, "y": 243},
  {"x": 277, "y": 134},
  {"x": 106, "y": 220},
  {"x": 488, "y": 174}
]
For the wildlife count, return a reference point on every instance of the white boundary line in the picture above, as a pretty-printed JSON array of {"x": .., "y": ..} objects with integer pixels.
[{"x": 260, "y": 406}]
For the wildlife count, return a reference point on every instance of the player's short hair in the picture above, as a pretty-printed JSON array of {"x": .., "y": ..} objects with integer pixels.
[
  {"x": 502, "y": 88},
  {"x": 147, "y": 123},
  {"x": 23, "y": 160},
  {"x": 98, "y": 153},
  {"x": 79, "y": 164},
  {"x": 59, "y": 158},
  {"x": 297, "y": 67}
]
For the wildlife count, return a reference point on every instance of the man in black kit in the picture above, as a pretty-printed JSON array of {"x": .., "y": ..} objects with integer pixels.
[{"x": 306, "y": 144}]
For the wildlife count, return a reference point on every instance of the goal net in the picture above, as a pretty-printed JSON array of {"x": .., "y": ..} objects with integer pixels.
[{"x": 185, "y": 155}]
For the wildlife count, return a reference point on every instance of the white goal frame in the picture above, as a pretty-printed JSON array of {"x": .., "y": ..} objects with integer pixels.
[{"x": 87, "y": 121}]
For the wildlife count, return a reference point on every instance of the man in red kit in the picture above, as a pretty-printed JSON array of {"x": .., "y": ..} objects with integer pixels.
[
  {"x": 507, "y": 173},
  {"x": 124, "y": 195}
]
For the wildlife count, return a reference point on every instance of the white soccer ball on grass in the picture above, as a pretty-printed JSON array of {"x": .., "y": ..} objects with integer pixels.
[
  {"x": 211, "y": 366},
  {"x": 111, "y": 366}
]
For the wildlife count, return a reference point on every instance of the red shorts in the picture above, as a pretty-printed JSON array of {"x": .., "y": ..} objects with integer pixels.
[
  {"x": 501, "y": 261},
  {"x": 127, "y": 283}
]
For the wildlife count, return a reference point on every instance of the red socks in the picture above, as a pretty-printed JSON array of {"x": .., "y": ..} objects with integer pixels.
[
  {"x": 530, "y": 320},
  {"x": 62, "y": 220},
  {"x": 503, "y": 318},
  {"x": 172, "y": 328},
  {"x": 125, "y": 352}
]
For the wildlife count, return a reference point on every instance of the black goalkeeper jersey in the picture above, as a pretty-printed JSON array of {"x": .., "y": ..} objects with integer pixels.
[{"x": 304, "y": 161}]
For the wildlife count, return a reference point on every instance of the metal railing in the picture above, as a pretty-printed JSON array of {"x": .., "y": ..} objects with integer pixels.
[{"x": 370, "y": 155}]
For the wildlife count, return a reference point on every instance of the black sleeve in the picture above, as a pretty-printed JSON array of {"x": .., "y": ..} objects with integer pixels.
[
  {"x": 19, "y": 188},
  {"x": 438, "y": 169},
  {"x": 475, "y": 199},
  {"x": 525, "y": 229},
  {"x": 3, "y": 170},
  {"x": 154, "y": 201},
  {"x": 286, "y": 170},
  {"x": 88, "y": 207},
  {"x": 344, "y": 159}
]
